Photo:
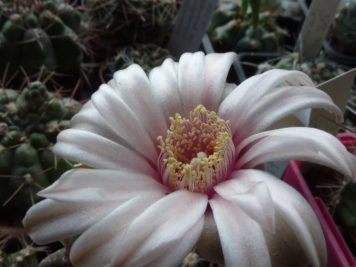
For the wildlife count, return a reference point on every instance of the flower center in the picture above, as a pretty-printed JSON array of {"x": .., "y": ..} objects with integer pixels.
[{"x": 197, "y": 152}]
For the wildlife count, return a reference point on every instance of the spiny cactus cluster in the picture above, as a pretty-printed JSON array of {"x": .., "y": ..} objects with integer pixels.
[
  {"x": 25, "y": 257},
  {"x": 319, "y": 70},
  {"x": 29, "y": 123},
  {"x": 145, "y": 55},
  {"x": 132, "y": 21},
  {"x": 37, "y": 35},
  {"x": 232, "y": 28},
  {"x": 342, "y": 34}
]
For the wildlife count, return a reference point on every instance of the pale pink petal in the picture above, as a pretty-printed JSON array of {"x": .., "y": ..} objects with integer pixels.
[
  {"x": 164, "y": 82},
  {"x": 295, "y": 211},
  {"x": 50, "y": 220},
  {"x": 252, "y": 198},
  {"x": 216, "y": 69},
  {"x": 96, "y": 185},
  {"x": 89, "y": 119},
  {"x": 175, "y": 253},
  {"x": 159, "y": 227},
  {"x": 96, "y": 246},
  {"x": 242, "y": 239},
  {"x": 191, "y": 80},
  {"x": 300, "y": 143},
  {"x": 98, "y": 152},
  {"x": 229, "y": 87},
  {"x": 135, "y": 89},
  {"x": 202, "y": 79},
  {"x": 250, "y": 92},
  {"x": 279, "y": 104},
  {"x": 123, "y": 121}
]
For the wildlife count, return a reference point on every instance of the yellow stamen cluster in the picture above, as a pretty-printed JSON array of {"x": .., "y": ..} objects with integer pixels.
[{"x": 197, "y": 151}]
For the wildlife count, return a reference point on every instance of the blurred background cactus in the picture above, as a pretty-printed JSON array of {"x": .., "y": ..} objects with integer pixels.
[
  {"x": 40, "y": 36},
  {"x": 128, "y": 22},
  {"x": 145, "y": 55},
  {"x": 319, "y": 69},
  {"x": 342, "y": 33},
  {"x": 30, "y": 121},
  {"x": 337, "y": 191},
  {"x": 247, "y": 27}
]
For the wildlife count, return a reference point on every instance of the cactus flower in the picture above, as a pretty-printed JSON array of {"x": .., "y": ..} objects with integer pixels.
[{"x": 173, "y": 163}]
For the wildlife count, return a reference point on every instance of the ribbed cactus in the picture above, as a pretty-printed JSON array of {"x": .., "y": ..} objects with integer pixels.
[
  {"x": 233, "y": 28},
  {"x": 40, "y": 35},
  {"x": 29, "y": 123},
  {"x": 127, "y": 22},
  {"x": 342, "y": 33},
  {"x": 319, "y": 69}
]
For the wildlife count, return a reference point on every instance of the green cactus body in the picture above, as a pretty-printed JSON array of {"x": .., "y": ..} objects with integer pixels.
[
  {"x": 71, "y": 17},
  {"x": 13, "y": 29},
  {"x": 319, "y": 69},
  {"x": 68, "y": 52},
  {"x": 25, "y": 257},
  {"x": 233, "y": 28},
  {"x": 228, "y": 34},
  {"x": 146, "y": 55},
  {"x": 29, "y": 126},
  {"x": 342, "y": 34},
  {"x": 44, "y": 35},
  {"x": 133, "y": 21},
  {"x": 225, "y": 12},
  {"x": 37, "y": 50},
  {"x": 346, "y": 210}
]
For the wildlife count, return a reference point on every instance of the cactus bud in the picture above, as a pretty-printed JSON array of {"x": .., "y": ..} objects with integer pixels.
[
  {"x": 11, "y": 138},
  {"x": 26, "y": 156},
  {"x": 13, "y": 29},
  {"x": 38, "y": 140}
]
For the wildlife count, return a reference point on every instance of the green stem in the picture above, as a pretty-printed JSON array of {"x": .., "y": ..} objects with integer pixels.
[{"x": 255, "y": 7}]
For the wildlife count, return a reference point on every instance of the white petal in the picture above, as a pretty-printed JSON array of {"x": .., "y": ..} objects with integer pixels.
[
  {"x": 98, "y": 152},
  {"x": 122, "y": 120},
  {"x": 301, "y": 143},
  {"x": 96, "y": 185},
  {"x": 175, "y": 253},
  {"x": 164, "y": 81},
  {"x": 96, "y": 246},
  {"x": 241, "y": 238},
  {"x": 88, "y": 119},
  {"x": 217, "y": 67},
  {"x": 50, "y": 220},
  {"x": 159, "y": 227},
  {"x": 202, "y": 79},
  {"x": 248, "y": 94},
  {"x": 295, "y": 211},
  {"x": 135, "y": 89},
  {"x": 281, "y": 103},
  {"x": 229, "y": 87},
  {"x": 252, "y": 198},
  {"x": 191, "y": 80}
]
